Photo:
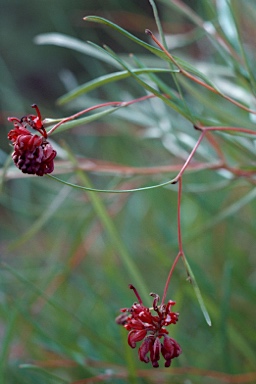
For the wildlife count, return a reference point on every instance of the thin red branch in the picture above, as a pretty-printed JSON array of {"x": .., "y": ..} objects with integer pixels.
[
  {"x": 107, "y": 104},
  {"x": 179, "y": 216},
  {"x": 232, "y": 129},
  {"x": 213, "y": 32},
  {"x": 195, "y": 79},
  {"x": 170, "y": 275},
  {"x": 180, "y": 253},
  {"x": 176, "y": 179}
]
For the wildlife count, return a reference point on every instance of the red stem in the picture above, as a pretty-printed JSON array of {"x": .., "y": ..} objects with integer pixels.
[
  {"x": 180, "y": 253},
  {"x": 107, "y": 104},
  {"x": 178, "y": 216},
  {"x": 176, "y": 179},
  {"x": 234, "y": 129},
  {"x": 169, "y": 276},
  {"x": 195, "y": 79}
]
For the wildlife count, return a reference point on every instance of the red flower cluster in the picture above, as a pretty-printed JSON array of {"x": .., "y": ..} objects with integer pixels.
[
  {"x": 32, "y": 154},
  {"x": 142, "y": 325}
]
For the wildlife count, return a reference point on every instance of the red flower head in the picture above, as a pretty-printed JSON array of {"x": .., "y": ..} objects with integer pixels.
[
  {"x": 142, "y": 325},
  {"x": 32, "y": 154}
]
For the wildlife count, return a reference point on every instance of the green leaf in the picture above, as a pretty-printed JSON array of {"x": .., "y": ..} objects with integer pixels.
[
  {"x": 177, "y": 105},
  {"x": 227, "y": 22},
  {"x": 156, "y": 51},
  {"x": 158, "y": 22},
  {"x": 62, "y": 40},
  {"x": 106, "y": 79},
  {"x": 114, "y": 26},
  {"x": 197, "y": 291}
]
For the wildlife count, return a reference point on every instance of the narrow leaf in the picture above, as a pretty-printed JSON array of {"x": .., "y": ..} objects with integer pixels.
[
  {"x": 156, "y": 51},
  {"x": 158, "y": 22},
  {"x": 197, "y": 291},
  {"x": 62, "y": 40},
  {"x": 177, "y": 106},
  {"x": 106, "y": 79},
  {"x": 130, "y": 36}
]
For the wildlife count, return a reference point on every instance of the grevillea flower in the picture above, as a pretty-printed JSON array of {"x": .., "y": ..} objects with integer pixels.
[
  {"x": 32, "y": 154},
  {"x": 150, "y": 329}
]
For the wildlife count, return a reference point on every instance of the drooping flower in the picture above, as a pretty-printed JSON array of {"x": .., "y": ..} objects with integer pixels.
[
  {"x": 151, "y": 329},
  {"x": 32, "y": 154}
]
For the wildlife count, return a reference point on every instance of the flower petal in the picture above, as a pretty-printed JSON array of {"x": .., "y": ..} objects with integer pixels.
[
  {"x": 170, "y": 350},
  {"x": 155, "y": 353},
  {"x": 136, "y": 335},
  {"x": 145, "y": 348}
]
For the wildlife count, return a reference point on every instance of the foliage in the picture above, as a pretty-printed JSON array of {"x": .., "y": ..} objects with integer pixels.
[{"x": 140, "y": 120}]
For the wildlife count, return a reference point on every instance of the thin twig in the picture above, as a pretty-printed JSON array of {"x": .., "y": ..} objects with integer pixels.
[
  {"x": 107, "y": 104},
  {"x": 195, "y": 79}
]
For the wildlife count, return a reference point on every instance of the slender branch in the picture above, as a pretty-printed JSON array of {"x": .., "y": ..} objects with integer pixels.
[
  {"x": 107, "y": 104},
  {"x": 232, "y": 129},
  {"x": 180, "y": 253},
  {"x": 195, "y": 79},
  {"x": 176, "y": 179},
  {"x": 212, "y": 34},
  {"x": 178, "y": 217},
  {"x": 169, "y": 276}
]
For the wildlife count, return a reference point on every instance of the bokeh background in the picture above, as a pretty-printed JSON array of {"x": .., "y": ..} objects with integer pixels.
[{"x": 64, "y": 252}]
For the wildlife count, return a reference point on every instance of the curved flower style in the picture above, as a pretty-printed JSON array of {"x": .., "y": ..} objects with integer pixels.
[
  {"x": 32, "y": 154},
  {"x": 142, "y": 325}
]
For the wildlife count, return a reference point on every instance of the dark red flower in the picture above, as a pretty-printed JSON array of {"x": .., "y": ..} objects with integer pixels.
[
  {"x": 150, "y": 329},
  {"x": 32, "y": 154}
]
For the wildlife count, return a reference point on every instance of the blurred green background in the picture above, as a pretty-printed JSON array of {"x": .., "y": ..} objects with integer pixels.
[{"x": 64, "y": 271}]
